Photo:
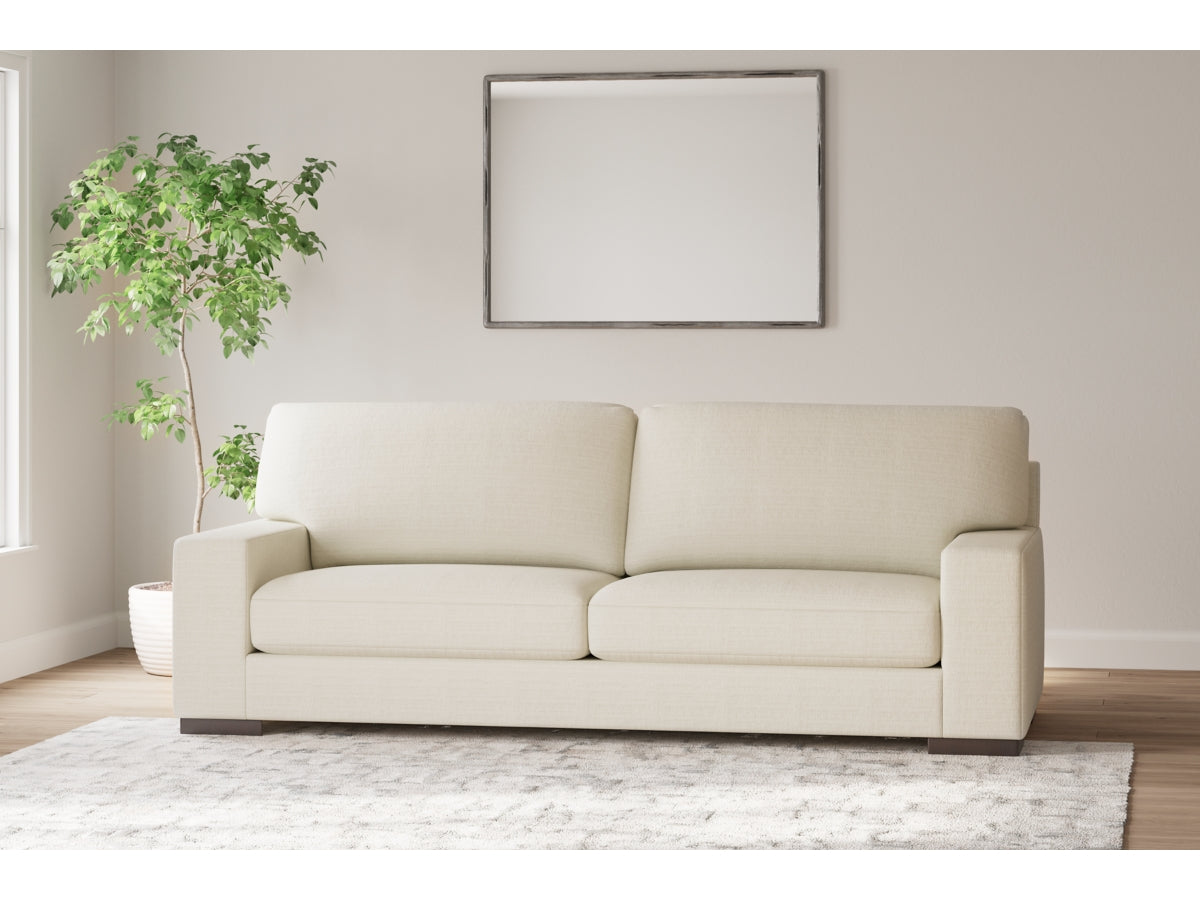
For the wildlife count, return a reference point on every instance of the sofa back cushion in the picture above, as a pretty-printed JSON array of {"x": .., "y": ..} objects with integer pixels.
[
  {"x": 495, "y": 483},
  {"x": 857, "y": 488}
]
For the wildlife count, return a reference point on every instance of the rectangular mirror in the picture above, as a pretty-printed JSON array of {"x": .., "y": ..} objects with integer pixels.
[{"x": 654, "y": 200}]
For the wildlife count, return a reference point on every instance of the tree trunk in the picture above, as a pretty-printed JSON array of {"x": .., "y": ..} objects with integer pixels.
[{"x": 191, "y": 423}]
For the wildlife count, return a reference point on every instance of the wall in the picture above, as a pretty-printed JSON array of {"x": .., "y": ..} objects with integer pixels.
[
  {"x": 1003, "y": 228},
  {"x": 56, "y": 597}
]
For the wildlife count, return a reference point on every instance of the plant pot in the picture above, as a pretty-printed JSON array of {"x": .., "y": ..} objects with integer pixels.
[{"x": 150, "y": 617}]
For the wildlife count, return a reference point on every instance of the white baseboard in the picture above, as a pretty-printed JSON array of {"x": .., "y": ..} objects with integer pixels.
[
  {"x": 47, "y": 649},
  {"x": 1079, "y": 649},
  {"x": 124, "y": 633}
]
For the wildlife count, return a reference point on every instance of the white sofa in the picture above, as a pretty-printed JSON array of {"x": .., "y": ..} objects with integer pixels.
[{"x": 743, "y": 567}]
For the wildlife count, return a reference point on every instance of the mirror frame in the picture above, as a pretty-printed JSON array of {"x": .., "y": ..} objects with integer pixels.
[{"x": 490, "y": 177}]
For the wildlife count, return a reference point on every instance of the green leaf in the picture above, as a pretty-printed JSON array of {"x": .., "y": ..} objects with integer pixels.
[
  {"x": 179, "y": 235},
  {"x": 235, "y": 469}
]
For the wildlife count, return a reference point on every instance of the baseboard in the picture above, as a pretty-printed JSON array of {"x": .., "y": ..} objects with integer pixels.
[
  {"x": 1080, "y": 649},
  {"x": 124, "y": 632},
  {"x": 47, "y": 649}
]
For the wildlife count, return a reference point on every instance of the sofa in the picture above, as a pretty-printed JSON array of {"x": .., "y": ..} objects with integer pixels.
[{"x": 706, "y": 567}]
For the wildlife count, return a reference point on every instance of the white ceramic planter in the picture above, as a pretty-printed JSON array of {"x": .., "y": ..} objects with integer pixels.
[{"x": 150, "y": 616}]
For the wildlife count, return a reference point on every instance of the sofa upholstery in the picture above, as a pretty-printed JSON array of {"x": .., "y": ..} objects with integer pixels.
[
  {"x": 797, "y": 486},
  {"x": 457, "y": 611},
  {"x": 790, "y": 568},
  {"x": 538, "y": 484}
]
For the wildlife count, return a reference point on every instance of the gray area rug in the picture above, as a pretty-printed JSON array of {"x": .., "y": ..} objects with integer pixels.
[{"x": 138, "y": 783}]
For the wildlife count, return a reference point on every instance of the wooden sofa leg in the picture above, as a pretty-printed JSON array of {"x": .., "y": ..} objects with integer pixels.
[
  {"x": 975, "y": 747},
  {"x": 221, "y": 726}
]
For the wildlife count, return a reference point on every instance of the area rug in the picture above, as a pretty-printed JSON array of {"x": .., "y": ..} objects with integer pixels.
[{"x": 138, "y": 783}]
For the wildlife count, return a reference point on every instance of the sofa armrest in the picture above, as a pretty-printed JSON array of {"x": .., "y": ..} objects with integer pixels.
[
  {"x": 993, "y": 633},
  {"x": 215, "y": 573}
]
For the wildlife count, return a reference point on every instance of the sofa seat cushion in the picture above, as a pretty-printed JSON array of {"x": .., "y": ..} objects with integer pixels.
[
  {"x": 785, "y": 617},
  {"x": 459, "y": 611}
]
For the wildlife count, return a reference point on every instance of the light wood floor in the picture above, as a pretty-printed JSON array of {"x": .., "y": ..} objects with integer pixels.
[{"x": 1159, "y": 712}]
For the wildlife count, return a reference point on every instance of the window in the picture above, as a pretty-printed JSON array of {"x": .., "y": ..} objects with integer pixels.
[
  {"x": 4, "y": 304},
  {"x": 12, "y": 293}
]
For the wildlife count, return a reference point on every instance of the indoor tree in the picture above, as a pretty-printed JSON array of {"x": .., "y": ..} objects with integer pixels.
[{"x": 185, "y": 235}]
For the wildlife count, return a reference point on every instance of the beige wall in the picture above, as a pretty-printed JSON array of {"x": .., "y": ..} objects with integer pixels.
[
  {"x": 1003, "y": 228},
  {"x": 56, "y": 598}
]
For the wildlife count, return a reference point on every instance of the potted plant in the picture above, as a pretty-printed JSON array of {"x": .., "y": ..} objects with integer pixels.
[{"x": 184, "y": 235}]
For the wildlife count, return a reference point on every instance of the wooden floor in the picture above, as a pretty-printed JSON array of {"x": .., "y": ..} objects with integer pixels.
[{"x": 1159, "y": 712}]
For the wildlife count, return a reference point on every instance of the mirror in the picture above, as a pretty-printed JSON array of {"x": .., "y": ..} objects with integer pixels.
[{"x": 654, "y": 200}]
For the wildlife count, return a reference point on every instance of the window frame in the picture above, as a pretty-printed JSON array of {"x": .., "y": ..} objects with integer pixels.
[{"x": 14, "y": 293}]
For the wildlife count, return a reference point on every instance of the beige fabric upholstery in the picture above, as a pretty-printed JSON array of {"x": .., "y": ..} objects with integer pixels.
[
  {"x": 215, "y": 572},
  {"x": 811, "y": 552},
  {"x": 993, "y": 633},
  {"x": 782, "y": 617},
  {"x": 462, "y": 611},
  {"x": 1035, "y": 495},
  {"x": 498, "y": 483},
  {"x": 593, "y": 693},
  {"x": 864, "y": 488}
]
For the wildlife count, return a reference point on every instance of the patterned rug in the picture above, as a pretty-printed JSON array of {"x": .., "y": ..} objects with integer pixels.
[{"x": 138, "y": 783}]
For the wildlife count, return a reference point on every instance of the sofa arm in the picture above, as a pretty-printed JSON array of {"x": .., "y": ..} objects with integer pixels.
[
  {"x": 215, "y": 573},
  {"x": 993, "y": 633}
]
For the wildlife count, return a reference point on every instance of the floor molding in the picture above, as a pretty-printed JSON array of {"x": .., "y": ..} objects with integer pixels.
[
  {"x": 1114, "y": 649},
  {"x": 47, "y": 649},
  {"x": 124, "y": 632}
]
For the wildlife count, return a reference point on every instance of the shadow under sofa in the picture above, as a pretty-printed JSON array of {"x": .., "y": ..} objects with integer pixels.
[{"x": 737, "y": 567}]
